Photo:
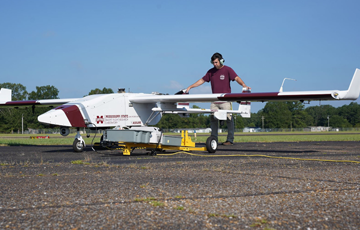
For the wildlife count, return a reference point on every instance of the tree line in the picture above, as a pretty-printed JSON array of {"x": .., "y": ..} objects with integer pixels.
[{"x": 273, "y": 115}]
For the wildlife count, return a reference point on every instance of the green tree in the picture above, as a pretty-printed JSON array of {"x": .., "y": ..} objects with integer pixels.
[
  {"x": 299, "y": 119},
  {"x": 277, "y": 115},
  {"x": 196, "y": 120},
  {"x": 254, "y": 120},
  {"x": 171, "y": 121},
  {"x": 101, "y": 91},
  {"x": 238, "y": 121},
  {"x": 351, "y": 113},
  {"x": 44, "y": 92},
  {"x": 319, "y": 114},
  {"x": 337, "y": 121}
]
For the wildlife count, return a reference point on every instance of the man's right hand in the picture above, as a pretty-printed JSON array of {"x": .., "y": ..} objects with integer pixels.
[{"x": 183, "y": 91}]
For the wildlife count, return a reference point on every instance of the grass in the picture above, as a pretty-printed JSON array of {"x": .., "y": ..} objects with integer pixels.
[
  {"x": 231, "y": 216},
  {"x": 179, "y": 197},
  {"x": 263, "y": 223},
  {"x": 57, "y": 139},
  {"x": 15, "y": 140},
  {"x": 287, "y": 137},
  {"x": 77, "y": 162},
  {"x": 151, "y": 200},
  {"x": 297, "y": 138},
  {"x": 157, "y": 203},
  {"x": 144, "y": 199}
]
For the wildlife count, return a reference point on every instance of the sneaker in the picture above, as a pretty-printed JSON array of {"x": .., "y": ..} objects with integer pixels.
[{"x": 228, "y": 143}]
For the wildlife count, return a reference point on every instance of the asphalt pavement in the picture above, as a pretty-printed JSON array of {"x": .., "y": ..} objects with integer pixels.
[{"x": 305, "y": 185}]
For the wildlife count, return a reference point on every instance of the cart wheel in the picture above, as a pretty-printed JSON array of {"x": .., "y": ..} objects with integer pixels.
[
  {"x": 211, "y": 144},
  {"x": 153, "y": 153}
]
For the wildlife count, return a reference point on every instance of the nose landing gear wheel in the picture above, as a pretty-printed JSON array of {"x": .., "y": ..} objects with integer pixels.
[
  {"x": 211, "y": 144},
  {"x": 78, "y": 145}
]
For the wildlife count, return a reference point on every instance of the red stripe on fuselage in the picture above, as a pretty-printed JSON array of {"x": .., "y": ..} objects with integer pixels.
[{"x": 73, "y": 114}]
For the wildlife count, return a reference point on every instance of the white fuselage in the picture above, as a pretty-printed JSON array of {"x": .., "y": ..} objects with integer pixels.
[{"x": 103, "y": 110}]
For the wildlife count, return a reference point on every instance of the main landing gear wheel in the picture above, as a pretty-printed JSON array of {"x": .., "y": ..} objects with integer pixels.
[
  {"x": 211, "y": 144},
  {"x": 153, "y": 152},
  {"x": 78, "y": 145}
]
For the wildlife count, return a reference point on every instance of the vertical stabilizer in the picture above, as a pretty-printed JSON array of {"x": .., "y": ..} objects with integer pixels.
[
  {"x": 5, "y": 95},
  {"x": 245, "y": 109},
  {"x": 354, "y": 87},
  {"x": 245, "y": 106}
]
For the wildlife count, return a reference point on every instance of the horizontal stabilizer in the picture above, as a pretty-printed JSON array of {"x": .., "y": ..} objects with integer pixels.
[{"x": 245, "y": 106}]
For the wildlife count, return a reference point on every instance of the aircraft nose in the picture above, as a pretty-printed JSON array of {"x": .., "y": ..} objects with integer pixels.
[
  {"x": 65, "y": 115},
  {"x": 55, "y": 117}
]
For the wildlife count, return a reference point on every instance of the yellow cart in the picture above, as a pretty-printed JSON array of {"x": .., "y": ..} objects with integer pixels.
[{"x": 186, "y": 145}]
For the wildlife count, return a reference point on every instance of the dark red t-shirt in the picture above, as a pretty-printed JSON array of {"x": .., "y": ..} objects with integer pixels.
[{"x": 220, "y": 79}]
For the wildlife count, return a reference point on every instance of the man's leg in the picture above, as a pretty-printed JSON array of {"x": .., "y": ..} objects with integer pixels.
[
  {"x": 230, "y": 126},
  {"x": 214, "y": 123}
]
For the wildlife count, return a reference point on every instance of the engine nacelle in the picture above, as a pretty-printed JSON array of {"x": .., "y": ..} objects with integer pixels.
[{"x": 64, "y": 131}]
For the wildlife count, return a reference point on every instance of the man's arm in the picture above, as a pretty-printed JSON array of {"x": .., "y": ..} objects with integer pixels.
[
  {"x": 241, "y": 82},
  {"x": 196, "y": 84}
]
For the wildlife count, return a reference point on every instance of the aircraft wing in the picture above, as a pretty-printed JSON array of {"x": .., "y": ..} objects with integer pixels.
[
  {"x": 352, "y": 93},
  {"x": 32, "y": 103}
]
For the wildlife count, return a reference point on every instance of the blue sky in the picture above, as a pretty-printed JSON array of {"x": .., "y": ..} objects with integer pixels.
[{"x": 164, "y": 46}]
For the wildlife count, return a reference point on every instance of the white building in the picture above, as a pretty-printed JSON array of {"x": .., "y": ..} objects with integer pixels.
[{"x": 251, "y": 129}]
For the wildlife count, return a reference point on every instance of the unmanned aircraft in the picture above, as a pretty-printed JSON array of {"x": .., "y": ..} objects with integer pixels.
[{"x": 136, "y": 111}]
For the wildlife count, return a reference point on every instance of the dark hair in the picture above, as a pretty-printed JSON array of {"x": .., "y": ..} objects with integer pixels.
[{"x": 217, "y": 56}]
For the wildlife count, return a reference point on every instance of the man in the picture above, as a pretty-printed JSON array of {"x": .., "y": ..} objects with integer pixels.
[{"x": 220, "y": 77}]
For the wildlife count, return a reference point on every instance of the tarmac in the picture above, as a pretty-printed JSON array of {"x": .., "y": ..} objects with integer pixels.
[{"x": 302, "y": 185}]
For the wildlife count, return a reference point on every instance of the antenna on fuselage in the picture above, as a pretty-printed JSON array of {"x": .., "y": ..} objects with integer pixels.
[{"x": 281, "y": 88}]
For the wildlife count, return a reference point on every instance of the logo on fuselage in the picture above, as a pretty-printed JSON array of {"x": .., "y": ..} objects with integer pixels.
[
  {"x": 99, "y": 119},
  {"x": 111, "y": 119}
]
